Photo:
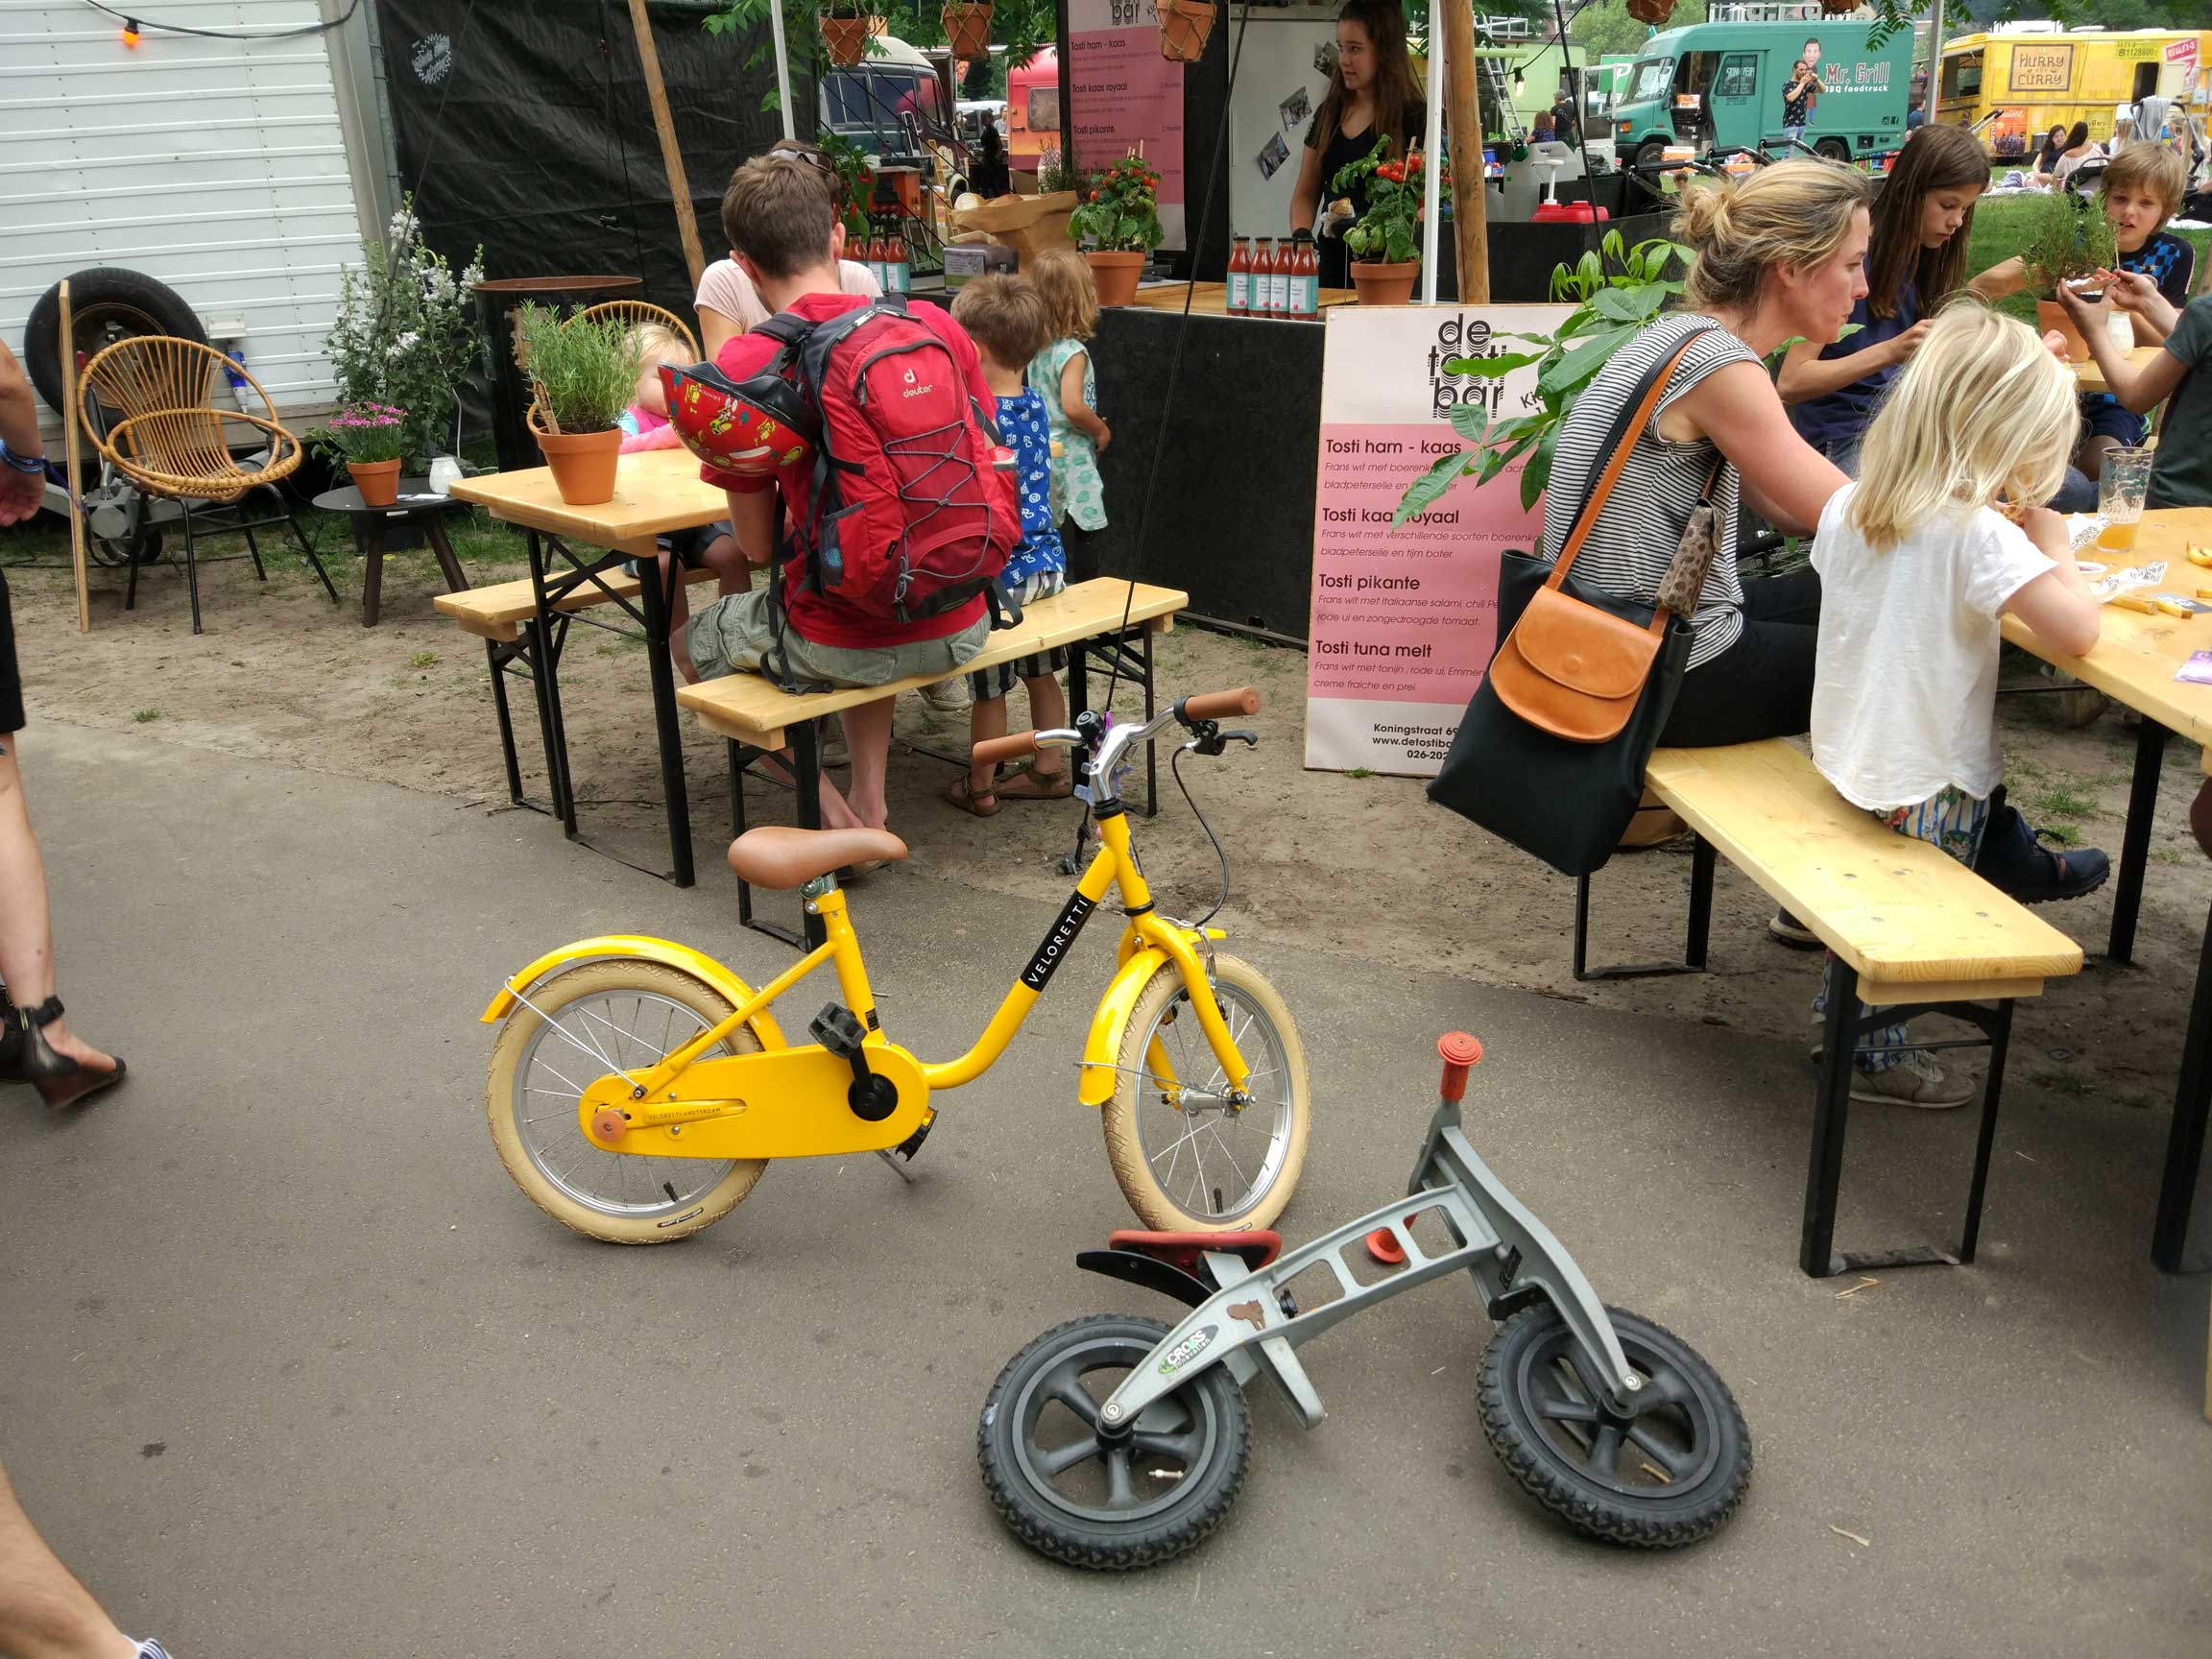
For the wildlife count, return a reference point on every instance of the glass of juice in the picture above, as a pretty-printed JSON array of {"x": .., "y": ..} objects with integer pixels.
[{"x": 2121, "y": 486}]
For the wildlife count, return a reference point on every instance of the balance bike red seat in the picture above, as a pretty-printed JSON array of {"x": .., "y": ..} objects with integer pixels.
[
  {"x": 1258, "y": 1246},
  {"x": 1571, "y": 213}
]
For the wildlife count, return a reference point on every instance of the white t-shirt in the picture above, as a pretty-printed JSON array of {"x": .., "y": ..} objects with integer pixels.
[
  {"x": 1905, "y": 684},
  {"x": 724, "y": 287}
]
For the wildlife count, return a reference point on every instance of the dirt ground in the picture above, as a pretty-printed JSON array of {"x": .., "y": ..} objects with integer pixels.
[{"x": 1361, "y": 868}]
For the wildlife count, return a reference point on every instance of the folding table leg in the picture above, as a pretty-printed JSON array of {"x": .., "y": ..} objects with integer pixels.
[
  {"x": 1831, "y": 1113},
  {"x": 2135, "y": 841},
  {"x": 506, "y": 753},
  {"x": 2000, "y": 1043},
  {"x": 2185, "y": 1144},
  {"x": 675, "y": 797}
]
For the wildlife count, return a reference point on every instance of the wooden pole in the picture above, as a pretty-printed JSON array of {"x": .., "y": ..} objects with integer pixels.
[
  {"x": 1469, "y": 189},
  {"x": 69, "y": 422},
  {"x": 672, "y": 158}
]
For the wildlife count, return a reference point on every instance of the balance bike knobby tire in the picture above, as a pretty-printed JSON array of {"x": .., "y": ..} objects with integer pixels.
[
  {"x": 1110, "y": 1507},
  {"x": 1197, "y": 1166},
  {"x": 1670, "y": 1474},
  {"x": 632, "y": 1014}
]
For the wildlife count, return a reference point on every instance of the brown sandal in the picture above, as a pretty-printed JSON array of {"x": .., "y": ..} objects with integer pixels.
[
  {"x": 962, "y": 793},
  {"x": 1055, "y": 785}
]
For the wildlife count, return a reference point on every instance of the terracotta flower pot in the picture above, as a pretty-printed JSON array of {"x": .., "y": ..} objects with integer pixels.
[
  {"x": 1184, "y": 27},
  {"x": 2050, "y": 315},
  {"x": 1116, "y": 274},
  {"x": 379, "y": 481},
  {"x": 968, "y": 29},
  {"x": 582, "y": 463},
  {"x": 846, "y": 41},
  {"x": 1383, "y": 283}
]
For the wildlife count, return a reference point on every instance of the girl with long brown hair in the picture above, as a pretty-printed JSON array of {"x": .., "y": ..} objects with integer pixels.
[
  {"x": 1922, "y": 221},
  {"x": 1371, "y": 95}
]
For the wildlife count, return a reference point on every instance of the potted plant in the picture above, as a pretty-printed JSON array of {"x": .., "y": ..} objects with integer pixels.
[
  {"x": 1120, "y": 215},
  {"x": 968, "y": 28},
  {"x": 1183, "y": 28},
  {"x": 845, "y": 25},
  {"x": 372, "y": 439},
  {"x": 1384, "y": 245},
  {"x": 2070, "y": 239},
  {"x": 582, "y": 374},
  {"x": 1653, "y": 11}
]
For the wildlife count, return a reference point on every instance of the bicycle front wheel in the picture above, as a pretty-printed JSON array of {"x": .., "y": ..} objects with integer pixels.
[
  {"x": 1188, "y": 1160},
  {"x": 587, "y": 1022}
]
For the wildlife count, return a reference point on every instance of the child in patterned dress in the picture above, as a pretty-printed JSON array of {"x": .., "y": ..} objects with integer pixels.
[
  {"x": 1063, "y": 376},
  {"x": 1006, "y": 319}
]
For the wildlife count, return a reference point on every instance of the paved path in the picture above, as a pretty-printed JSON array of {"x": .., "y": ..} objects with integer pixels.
[{"x": 288, "y": 1366}]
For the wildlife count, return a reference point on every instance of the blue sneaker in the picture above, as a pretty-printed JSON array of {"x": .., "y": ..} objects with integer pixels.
[{"x": 2014, "y": 860}]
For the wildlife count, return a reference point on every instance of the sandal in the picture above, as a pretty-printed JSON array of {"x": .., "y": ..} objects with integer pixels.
[
  {"x": 962, "y": 793},
  {"x": 1054, "y": 785}
]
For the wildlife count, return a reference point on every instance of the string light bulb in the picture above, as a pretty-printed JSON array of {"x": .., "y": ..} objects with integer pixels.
[{"x": 129, "y": 32}]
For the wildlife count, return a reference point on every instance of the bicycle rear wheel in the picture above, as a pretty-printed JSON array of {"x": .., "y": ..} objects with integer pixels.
[
  {"x": 1187, "y": 1161},
  {"x": 625, "y": 1014}
]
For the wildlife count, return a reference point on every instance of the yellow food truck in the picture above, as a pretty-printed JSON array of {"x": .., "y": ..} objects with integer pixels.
[{"x": 2032, "y": 77}]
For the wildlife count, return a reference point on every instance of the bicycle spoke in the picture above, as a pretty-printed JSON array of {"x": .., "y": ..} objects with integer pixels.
[
  {"x": 1062, "y": 1459},
  {"x": 1120, "y": 1490}
]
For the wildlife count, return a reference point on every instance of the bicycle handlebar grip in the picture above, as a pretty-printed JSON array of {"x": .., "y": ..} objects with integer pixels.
[
  {"x": 1461, "y": 1051},
  {"x": 1220, "y": 705},
  {"x": 1011, "y": 747}
]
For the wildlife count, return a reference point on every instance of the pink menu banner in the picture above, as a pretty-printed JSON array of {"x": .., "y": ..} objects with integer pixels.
[
  {"x": 1126, "y": 95},
  {"x": 1404, "y": 620}
]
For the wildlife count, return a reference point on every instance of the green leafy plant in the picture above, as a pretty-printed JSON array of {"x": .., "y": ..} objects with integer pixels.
[
  {"x": 854, "y": 166},
  {"x": 1616, "y": 292},
  {"x": 1056, "y": 175},
  {"x": 1121, "y": 213},
  {"x": 1390, "y": 229},
  {"x": 365, "y": 432},
  {"x": 2068, "y": 237},
  {"x": 403, "y": 334},
  {"x": 583, "y": 371}
]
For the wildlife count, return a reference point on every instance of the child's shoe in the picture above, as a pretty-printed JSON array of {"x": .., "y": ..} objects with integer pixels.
[
  {"x": 1916, "y": 1080},
  {"x": 2014, "y": 860}
]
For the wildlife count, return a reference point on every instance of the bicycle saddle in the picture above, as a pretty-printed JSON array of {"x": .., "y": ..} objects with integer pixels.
[{"x": 777, "y": 855}]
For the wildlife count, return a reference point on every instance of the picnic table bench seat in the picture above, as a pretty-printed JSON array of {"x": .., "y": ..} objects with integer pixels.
[
  {"x": 503, "y": 610},
  {"x": 1912, "y": 930}
]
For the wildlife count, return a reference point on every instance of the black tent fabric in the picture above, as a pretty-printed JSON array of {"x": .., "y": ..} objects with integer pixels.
[{"x": 530, "y": 129}]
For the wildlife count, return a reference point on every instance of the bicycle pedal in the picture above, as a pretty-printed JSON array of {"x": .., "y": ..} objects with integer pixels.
[
  {"x": 837, "y": 1031},
  {"x": 912, "y": 1144}
]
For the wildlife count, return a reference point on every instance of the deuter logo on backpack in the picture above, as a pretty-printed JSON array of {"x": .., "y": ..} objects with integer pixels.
[{"x": 906, "y": 517}]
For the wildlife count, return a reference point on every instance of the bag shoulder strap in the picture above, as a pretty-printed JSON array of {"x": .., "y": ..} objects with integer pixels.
[{"x": 1618, "y": 446}]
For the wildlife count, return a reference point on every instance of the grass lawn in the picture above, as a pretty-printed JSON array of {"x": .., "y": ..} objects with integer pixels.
[{"x": 2001, "y": 230}]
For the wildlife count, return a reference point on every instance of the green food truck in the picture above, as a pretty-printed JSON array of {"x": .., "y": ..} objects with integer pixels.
[{"x": 1720, "y": 86}]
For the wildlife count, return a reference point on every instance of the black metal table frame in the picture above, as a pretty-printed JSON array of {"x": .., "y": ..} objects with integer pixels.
[
  {"x": 1842, "y": 1027},
  {"x": 536, "y": 653},
  {"x": 1126, "y": 653}
]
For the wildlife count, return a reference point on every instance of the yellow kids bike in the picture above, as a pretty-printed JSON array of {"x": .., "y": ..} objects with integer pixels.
[{"x": 638, "y": 1088}]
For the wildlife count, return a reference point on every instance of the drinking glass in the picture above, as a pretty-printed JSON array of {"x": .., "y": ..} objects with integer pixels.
[{"x": 2121, "y": 486}]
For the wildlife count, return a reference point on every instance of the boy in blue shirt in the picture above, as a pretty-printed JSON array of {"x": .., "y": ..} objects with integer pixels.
[
  {"x": 2143, "y": 188},
  {"x": 1005, "y": 316}
]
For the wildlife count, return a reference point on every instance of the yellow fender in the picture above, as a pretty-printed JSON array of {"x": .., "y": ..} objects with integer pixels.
[
  {"x": 1102, "y": 1048},
  {"x": 645, "y": 950}
]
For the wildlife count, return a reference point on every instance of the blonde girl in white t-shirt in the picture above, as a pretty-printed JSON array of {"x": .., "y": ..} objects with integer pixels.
[{"x": 1918, "y": 561}]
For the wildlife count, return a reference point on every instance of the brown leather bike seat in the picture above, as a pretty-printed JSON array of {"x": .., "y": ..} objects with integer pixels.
[{"x": 777, "y": 855}]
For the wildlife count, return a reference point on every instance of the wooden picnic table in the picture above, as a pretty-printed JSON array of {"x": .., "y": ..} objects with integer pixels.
[
  {"x": 2092, "y": 377},
  {"x": 655, "y": 491},
  {"x": 2133, "y": 662}
]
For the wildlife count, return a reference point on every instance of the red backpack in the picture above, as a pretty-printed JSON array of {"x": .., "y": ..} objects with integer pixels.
[{"x": 908, "y": 515}]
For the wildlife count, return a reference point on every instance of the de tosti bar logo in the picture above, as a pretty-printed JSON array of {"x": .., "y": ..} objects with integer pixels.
[{"x": 1460, "y": 336}]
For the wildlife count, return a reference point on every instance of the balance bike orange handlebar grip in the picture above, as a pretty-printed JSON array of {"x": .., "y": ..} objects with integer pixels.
[
  {"x": 1011, "y": 747},
  {"x": 1461, "y": 1051},
  {"x": 1221, "y": 705}
]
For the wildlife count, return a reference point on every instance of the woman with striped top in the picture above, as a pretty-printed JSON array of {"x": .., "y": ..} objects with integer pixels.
[{"x": 1778, "y": 257}]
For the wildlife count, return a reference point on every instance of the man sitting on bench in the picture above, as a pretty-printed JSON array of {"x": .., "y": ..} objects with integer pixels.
[{"x": 782, "y": 223}]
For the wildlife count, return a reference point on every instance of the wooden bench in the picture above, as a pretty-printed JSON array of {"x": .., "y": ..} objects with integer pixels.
[
  {"x": 1104, "y": 617},
  {"x": 1914, "y": 932}
]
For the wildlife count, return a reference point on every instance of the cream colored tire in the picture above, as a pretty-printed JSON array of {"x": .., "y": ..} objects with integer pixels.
[
  {"x": 1201, "y": 1169},
  {"x": 565, "y": 1174}
]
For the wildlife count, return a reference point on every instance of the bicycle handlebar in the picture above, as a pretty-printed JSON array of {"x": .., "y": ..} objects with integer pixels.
[
  {"x": 1012, "y": 747},
  {"x": 1219, "y": 705}
]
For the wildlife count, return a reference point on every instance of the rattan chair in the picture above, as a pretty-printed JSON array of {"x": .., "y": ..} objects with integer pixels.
[
  {"x": 145, "y": 404},
  {"x": 638, "y": 312}
]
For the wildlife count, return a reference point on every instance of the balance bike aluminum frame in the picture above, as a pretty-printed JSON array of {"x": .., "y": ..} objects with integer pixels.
[{"x": 1511, "y": 1256}]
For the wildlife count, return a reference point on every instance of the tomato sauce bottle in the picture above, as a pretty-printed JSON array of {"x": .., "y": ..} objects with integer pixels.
[{"x": 1241, "y": 278}]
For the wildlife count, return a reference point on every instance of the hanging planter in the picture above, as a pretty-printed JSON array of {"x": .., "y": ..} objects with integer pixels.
[
  {"x": 1183, "y": 28},
  {"x": 845, "y": 35},
  {"x": 1839, "y": 7},
  {"x": 1653, "y": 11},
  {"x": 968, "y": 29}
]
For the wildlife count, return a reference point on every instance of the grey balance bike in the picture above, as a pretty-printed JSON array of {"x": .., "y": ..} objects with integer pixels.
[{"x": 1115, "y": 1442}]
